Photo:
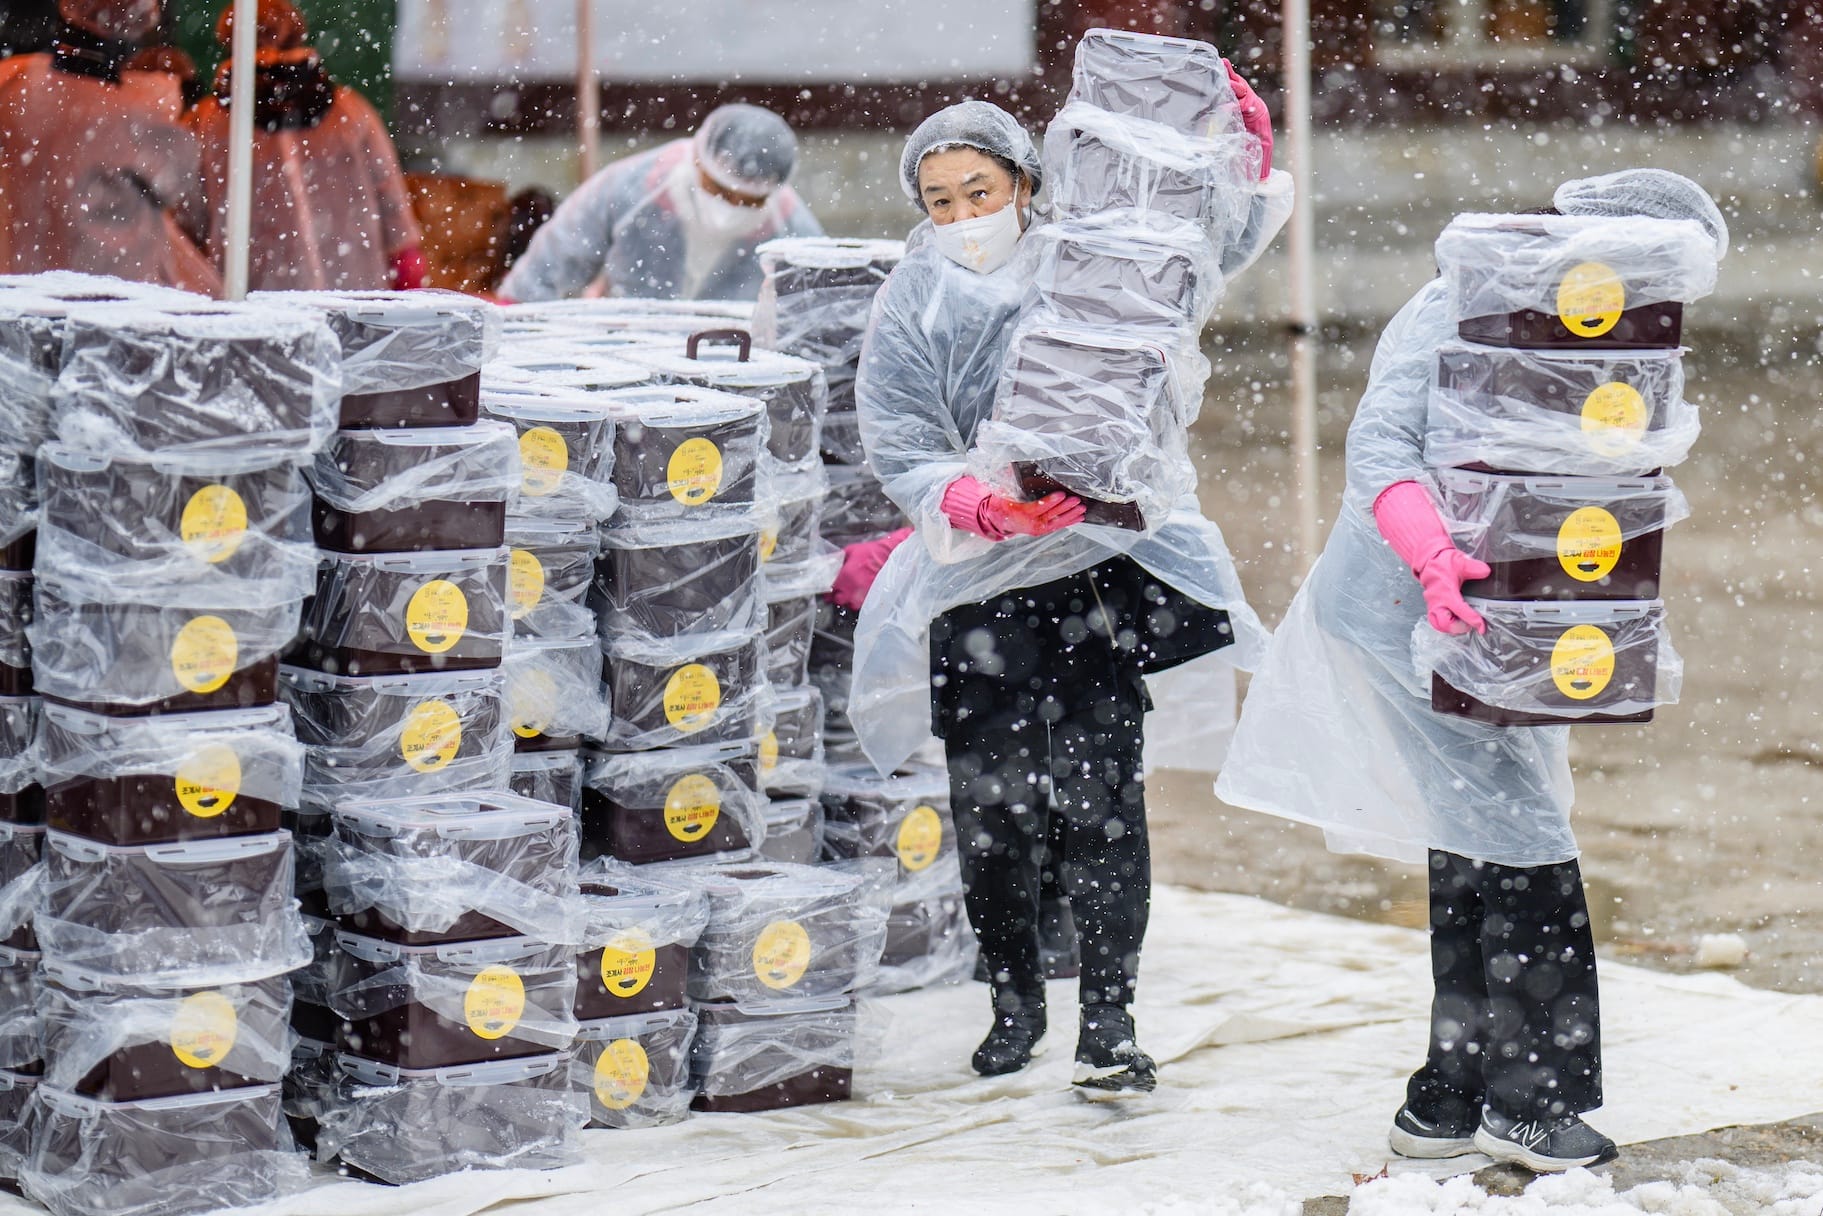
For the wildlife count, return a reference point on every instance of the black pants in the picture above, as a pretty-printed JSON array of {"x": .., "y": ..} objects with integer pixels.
[
  {"x": 1516, "y": 1021},
  {"x": 1006, "y": 773}
]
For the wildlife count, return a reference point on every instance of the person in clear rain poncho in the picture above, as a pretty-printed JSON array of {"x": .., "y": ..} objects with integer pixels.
[
  {"x": 1337, "y": 731},
  {"x": 680, "y": 222},
  {"x": 1019, "y": 633}
]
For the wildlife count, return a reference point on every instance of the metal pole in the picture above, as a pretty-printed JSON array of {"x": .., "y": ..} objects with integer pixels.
[
  {"x": 240, "y": 147},
  {"x": 588, "y": 89},
  {"x": 1303, "y": 319}
]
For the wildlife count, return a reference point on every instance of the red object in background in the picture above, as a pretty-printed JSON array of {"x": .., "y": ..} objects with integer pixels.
[
  {"x": 1167, "y": 17},
  {"x": 408, "y": 269}
]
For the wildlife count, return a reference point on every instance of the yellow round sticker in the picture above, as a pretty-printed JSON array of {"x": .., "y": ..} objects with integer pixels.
[
  {"x": 627, "y": 963},
  {"x": 694, "y": 472},
  {"x": 692, "y": 805},
  {"x": 1590, "y": 300},
  {"x": 436, "y": 616},
  {"x": 204, "y": 654},
  {"x": 531, "y": 701},
  {"x": 920, "y": 838},
  {"x": 692, "y": 697},
  {"x": 203, "y": 1030},
  {"x": 495, "y": 1002},
  {"x": 208, "y": 780},
  {"x": 769, "y": 544},
  {"x": 769, "y": 753},
  {"x": 1589, "y": 544},
  {"x": 781, "y": 954},
  {"x": 430, "y": 737},
  {"x": 214, "y": 523},
  {"x": 1582, "y": 662},
  {"x": 621, "y": 1075},
  {"x": 543, "y": 460},
  {"x": 524, "y": 582},
  {"x": 1614, "y": 418}
]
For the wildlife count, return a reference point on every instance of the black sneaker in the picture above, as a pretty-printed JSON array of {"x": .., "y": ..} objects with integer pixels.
[
  {"x": 1019, "y": 1024},
  {"x": 1544, "y": 1146},
  {"x": 1109, "y": 1063},
  {"x": 1431, "y": 1141}
]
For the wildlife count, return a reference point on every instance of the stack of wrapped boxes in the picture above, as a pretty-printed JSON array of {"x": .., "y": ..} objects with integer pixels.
[
  {"x": 173, "y": 555},
  {"x": 1553, "y": 413}
]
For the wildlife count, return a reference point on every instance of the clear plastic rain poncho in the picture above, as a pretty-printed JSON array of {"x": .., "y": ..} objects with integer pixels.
[{"x": 1343, "y": 681}]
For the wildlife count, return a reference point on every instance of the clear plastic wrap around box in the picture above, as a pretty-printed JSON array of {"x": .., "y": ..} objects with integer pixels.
[
  {"x": 1178, "y": 82},
  {"x": 359, "y": 472},
  {"x": 555, "y": 697},
  {"x": 1587, "y": 414},
  {"x": 576, "y": 364},
  {"x": 163, "y": 648},
  {"x": 636, "y": 1070},
  {"x": 554, "y": 777},
  {"x": 566, "y": 450},
  {"x": 31, "y": 351},
  {"x": 169, "y": 777},
  {"x": 18, "y": 504},
  {"x": 309, "y": 1088},
  {"x": 662, "y": 582},
  {"x": 686, "y": 692},
  {"x": 18, "y": 1111},
  {"x": 643, "y": 923},
  {"x": 1588, "y": 270},
  {"x": 778, "y": 931},
  {"x": 119, "y": 1042},
  {"x": 1561, "y": 661},
  {"x": 233, "y": 522},
  {"x": 795, "y": 391},
  {"x": 397, "y": 340},
  {"x": 196, "y": 913},
  {"x": 772, "y": 1054},
  {"x": 1126, "y": 268},
  {"x": 832, "y": 657},
  {"x": 1097, "y": 161},
  {"x": 552, "y": 569},
  {"x": 163, "y": 1156},
  {"x": 795, "y": 557},
  {"x": 672, "y": 803},
  {"x": 794, "y": 831},
  {"x": 448, "y": 867},
  {"x": 815, "y": 302},
  {"x": 22, "y": 879},
  {"x": 857, "y": 507},
  {"x": 686, "y": 453},
  {"x": 21, "y": 1027},
  {"x": 436, "y": 1006},
  {"x": 905, "y": 816},
  {"x": 17, "y": 612},
  {"x": 228, "y": 378},
  {"x": 382, "y": 737},
  {"x": 407, "y": 613},
  {"x": 791, "y": 753},
  {"x": 929, "y": 942},
  {"x": 790, "y": 628},
  {"x": 410, "y": 1125}
]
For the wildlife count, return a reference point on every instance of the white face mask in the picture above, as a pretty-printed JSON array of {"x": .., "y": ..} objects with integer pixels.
[
  {"x": 707, "y": 213},
  {"x": 983, "y": 244}
]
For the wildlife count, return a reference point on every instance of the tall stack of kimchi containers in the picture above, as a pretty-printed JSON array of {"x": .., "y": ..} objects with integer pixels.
[
  {"x": 1552, "y": 416},
  {"x": 173, "y": 554}
]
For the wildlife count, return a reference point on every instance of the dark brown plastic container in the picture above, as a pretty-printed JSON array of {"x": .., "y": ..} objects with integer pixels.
[
  {"x": 382, "y": 614},
  {"x": 21, "y": 848},
  {"x": 794, "y": 831},
  {"x": 663, "y": 703},
  {"x": 678, "y": 578},
  {"x": 670, "y": 804},
  {"x": 452, "y": 403},
  {"x": 682, "y": 451},
  {"x": 1035, "y": 483},
  {"x": 21, "y": 1027},
  {"x": 790, "y": 628},
  {"x": 440, "y": 488},
  {"x": 918, "y": 930},
  {"x": 1648, "y": 326},
  {"x": 15, "y": 649},
  {"x": 739, "y": 1049},
  {"x": 905, "y": 816},
  {"x": 552, "y": 570},
  {"x": 792, "y": 522},
  {"x": 1573, "y": 386},
  {"x": 16, "y": 1090},
  {"x": 794, "y": 391},
  {"x": 643, "y": 965},
  {"x": 636, "y": 1069},
  {"x": 1634, "y": 676},
  {"x": 554, "y": 777}
]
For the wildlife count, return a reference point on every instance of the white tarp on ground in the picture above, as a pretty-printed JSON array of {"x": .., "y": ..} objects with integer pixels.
[{"x": 1284, "y": 1040}]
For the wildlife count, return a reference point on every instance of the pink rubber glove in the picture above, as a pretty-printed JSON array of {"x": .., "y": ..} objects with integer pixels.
[
  {"x": 861, "y": 565},
  {"x": 1409, "y": 521},
  {"x": 1254, "y": 116},
  {"x": 970, "y": 506}
]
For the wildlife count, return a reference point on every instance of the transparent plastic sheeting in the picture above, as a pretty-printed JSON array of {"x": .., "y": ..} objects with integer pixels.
[
  {"x": 753, "y": 1046},
  {"x": 1568, "y": 660},
  {"x": 227, "y": 378},
  {"x": 684, "y": 691},
  {"x": 1572, "y": 265},
  {"x": 90, "y": 1020},
  {"x": 197, "y": 913},
  {"x": 554, "y": 688},
  {"x": 1123, "y": 268},
  {"x": 790, "y": 632},
  {"x": 794, "y": 831},
  {"x": 17, "y": 1113},
  {"x": 660, "y": 582},
  {"x": 1496, "y": 518},
  {"x": 234, "y": 523},
  {"x": 394, "y": 340},
  {"x": 370, "y": 978},
  {"x": 424, "y": 863},
  {"x": 78, "y": 746},
  {"x": 815, "y": 300},
  {"x": 385, "y": 737},
  {"x": 566, "y": 449},
  {"x": 797, "y": 560},
  {"x": 904, "y": 816},
  {"x": 552, "y": 569},
  {"x": 1180, "y": 83},
  {"x": 1596, "y": 414},
  {"x": 929, "y": 942},
  {"x": 636, "y": 1070},
  {"x": 779, "y": 932},
  {"x": 686, "y": 453},
  {"x": 376, "y": 605},
  {"x": 720, "y": 778},
  {"x": 406, "y": 1126},
  {"x": 663, "y": 910},
  {"x": 791, "y": 757},
  {"x": 391, "y": 470},
  {"x": 18, "y": 497},
  {"x": 794, "y": 391},
  {"x": 554, "y": 777},
  {"x": 21, "y": 1030},
  {"x": 857, "y": 506},
  {"x": 163, "y": 1156},
  {"x": 21, "y": 876}
]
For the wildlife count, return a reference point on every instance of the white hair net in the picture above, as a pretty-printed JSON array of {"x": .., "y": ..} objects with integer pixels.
[
  {"x": 1657, "y": 193},
  {"x": 969, "y": 124},
  {"x": 746, "y": 149}
]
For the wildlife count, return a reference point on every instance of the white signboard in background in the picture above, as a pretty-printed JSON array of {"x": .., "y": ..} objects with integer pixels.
[{"x": 747, "y": 41}]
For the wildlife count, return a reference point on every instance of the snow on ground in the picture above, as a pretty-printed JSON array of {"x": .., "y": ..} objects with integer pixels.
[{"x": 1284, "y": 1039}]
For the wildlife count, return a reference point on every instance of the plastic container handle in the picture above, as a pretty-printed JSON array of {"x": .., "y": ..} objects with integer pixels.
[{"x": 738, "y": 336}]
